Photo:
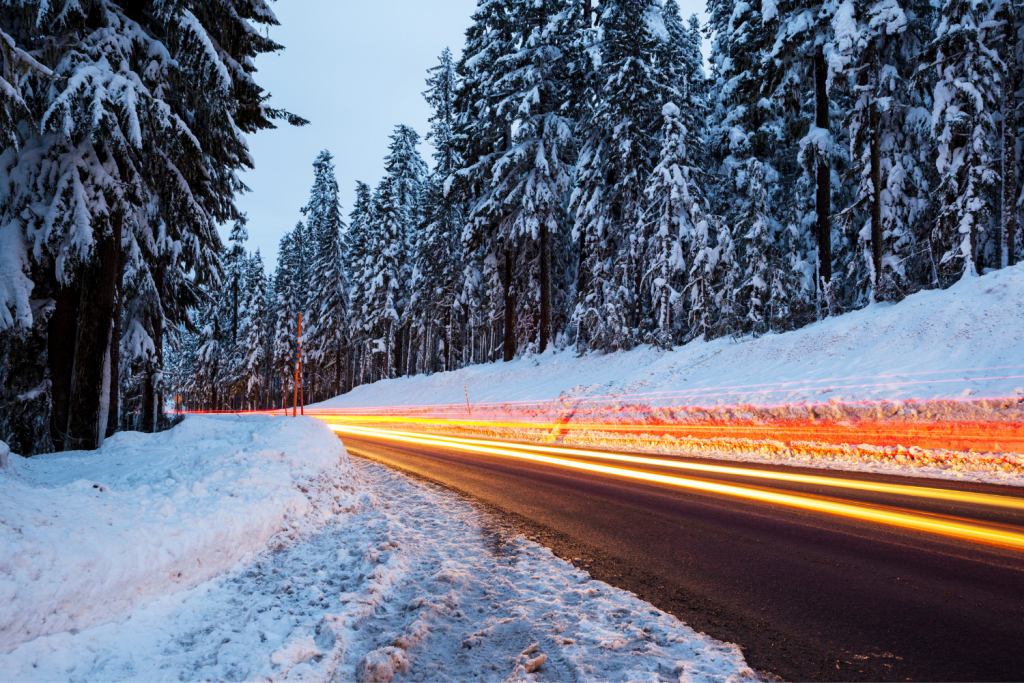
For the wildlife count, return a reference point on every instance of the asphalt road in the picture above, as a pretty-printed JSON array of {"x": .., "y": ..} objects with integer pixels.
[{"x": 808, "y": 595}]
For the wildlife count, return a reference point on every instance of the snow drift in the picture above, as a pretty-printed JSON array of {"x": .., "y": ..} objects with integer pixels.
[{"x": 87, "y": 536}]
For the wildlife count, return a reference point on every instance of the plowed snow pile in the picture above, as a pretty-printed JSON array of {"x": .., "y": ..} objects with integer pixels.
[{"x": 254, "y": 549}]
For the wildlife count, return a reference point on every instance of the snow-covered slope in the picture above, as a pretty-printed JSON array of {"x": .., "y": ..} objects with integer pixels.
[
  {"x": 967, "y": 341},
  {"x": 87, "y": 536}
]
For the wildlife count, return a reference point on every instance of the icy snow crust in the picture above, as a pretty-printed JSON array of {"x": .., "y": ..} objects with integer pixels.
[
  {"x": 85, "y": 537},
  {"x": 409, "y": 583},
  {"x": 952, "y": 355}
]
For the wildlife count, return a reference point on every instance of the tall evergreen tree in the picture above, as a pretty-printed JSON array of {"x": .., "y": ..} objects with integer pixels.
[
  {"x": 287, "y": 309},
  {"x": 359, "y": 243},
  {"x": 524, "y": 199},
  {"x": 618, "y": 154},
  {"x": 137, "y": 121},
  {"x": 383, "y": 275},
  {"x": 437, "y": 257},
  {"x": 329, "y": 282},
  {"x": 967, "y": 97},
  {"x": 254, "y": 326},
  {"x": 803, "y": 40}
]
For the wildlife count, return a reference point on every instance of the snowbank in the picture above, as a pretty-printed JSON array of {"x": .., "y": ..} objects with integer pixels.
[
  {"x": 413, "y": 584},
  {"x": 85, "y": 537},
  {"x": 967, "y": 341}
]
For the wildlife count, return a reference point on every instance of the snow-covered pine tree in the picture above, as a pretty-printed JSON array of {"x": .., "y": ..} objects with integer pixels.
[
  {"x": 442, "y": 87},
  {"x": 141, "y": 112},
  {"x": 253, "y": 331},
  {"x": 523, "y": 202},
  {"x": 967, "y": 97},
  {"x": 208, "y": 357},
  {"x": 383, "y": 273},
  {"x": 877, "y": 51},
  {"x": 359, "y": 234},
  {"x": 799, "y": 56},
  {"x": 235, "y": 267},
  {"x": 407, "y": 167},
  {"x": 618, "y": 154},
  {"x": 676, "y": 214},
  {"x": 328, "y": 306},
  {"x": 481, "y": 134},
  {"x": 287, "y": 311},
  {"x": 437, "y": 258}
]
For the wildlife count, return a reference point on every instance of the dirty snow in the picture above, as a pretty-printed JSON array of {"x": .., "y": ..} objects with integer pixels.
[{"x": 408, "y": 583}]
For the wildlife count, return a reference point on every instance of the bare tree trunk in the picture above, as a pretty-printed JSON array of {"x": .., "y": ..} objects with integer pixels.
[
  {"x": 1009, "y": 230},
  {"x": 150, "y": 409},
  {"x": 509, "y": 343},
  {"x": 337, "y": 370},
  {"x": 824, "y": 179},
  {"x": 92, "y": 343},
  {"x": 545, "y": 288},
  {"x": 114, "y": 406},
  {"x": 876, "y": 179},
  {"x": 61, "y": 334}
]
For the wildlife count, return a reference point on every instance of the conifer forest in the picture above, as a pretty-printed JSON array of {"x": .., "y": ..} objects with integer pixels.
[{"x": 595, "y": 184}]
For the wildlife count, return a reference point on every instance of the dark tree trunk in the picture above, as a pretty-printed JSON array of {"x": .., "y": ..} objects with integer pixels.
[
  {"x": 545, "y": 287},
  {"x": 114, "y": 410},
  {"x": 151, "y": 403},
  {"x": 824, "y": 175},
  {"x": 876, "y": 179},
  {"x": 337, "y": 371},
  {"x": 509, "y": 345},
  {"x": 92, "y": 347},
  {"x": 61, "y": 335},
  {"x": 148, "y": 412},
  {"x": 1009, "y": 230},
  {"x": 234, "y": 311}
]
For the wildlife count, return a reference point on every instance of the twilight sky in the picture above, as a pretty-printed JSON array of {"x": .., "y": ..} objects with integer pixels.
[{"x": 355, "y": 69}]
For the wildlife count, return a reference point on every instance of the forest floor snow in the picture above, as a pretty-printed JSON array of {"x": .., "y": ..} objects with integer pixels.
[
  {"x": 953, "y": 355},
  {"x": 255, "y": 549}
]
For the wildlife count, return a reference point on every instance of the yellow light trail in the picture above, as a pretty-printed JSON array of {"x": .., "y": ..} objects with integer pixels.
[
  {"x": 947, "y": 495},
  {"x": 995, "y": 535}
]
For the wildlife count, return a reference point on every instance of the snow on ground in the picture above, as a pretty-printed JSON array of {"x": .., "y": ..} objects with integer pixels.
[
  {"x": 926, "y": 347},
  {"x": 935, "y": 355},
  {"x": 413, "y": 583},
  {"x": 85, "y": 537}
]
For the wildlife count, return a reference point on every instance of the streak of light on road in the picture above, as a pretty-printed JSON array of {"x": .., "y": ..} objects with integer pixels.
[{"x": 988, "y": 534}]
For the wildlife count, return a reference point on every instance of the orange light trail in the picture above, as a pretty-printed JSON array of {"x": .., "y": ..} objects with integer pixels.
[
  {"x": 987, "y": 534},
  {"x": 977, "y": 436},
  {"x": 948, "y": 495}
]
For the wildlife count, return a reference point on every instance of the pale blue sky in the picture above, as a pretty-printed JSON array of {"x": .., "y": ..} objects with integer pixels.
[{"x": 355, "y": 69}]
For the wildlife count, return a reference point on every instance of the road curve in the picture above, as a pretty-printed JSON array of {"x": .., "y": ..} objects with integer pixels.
[{"x": 809, "y": 595}]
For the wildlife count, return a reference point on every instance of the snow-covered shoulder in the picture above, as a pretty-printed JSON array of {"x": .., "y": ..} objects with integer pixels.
[{"x": 85, "y": 537}]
